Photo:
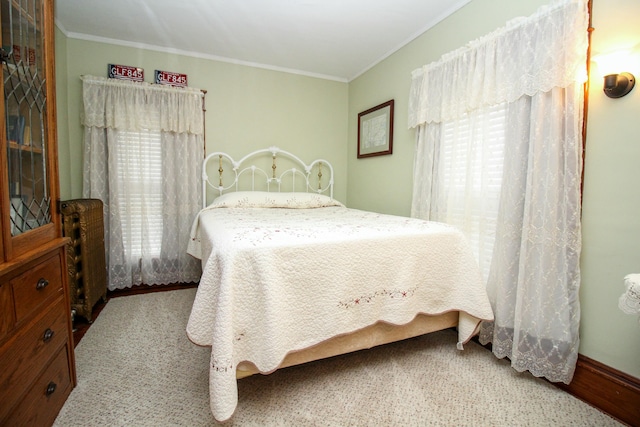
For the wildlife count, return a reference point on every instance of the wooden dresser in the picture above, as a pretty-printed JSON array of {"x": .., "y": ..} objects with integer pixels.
[
  {"x": 36, "y": 354},
  {"x": 37, "y": 366}
]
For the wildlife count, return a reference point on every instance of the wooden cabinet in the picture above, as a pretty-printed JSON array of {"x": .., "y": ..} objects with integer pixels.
[{"x": 37, "y": 367}]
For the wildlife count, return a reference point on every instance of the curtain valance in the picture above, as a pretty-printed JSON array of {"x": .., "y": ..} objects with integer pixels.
[
  {"x": 127, "y": 105},
  {"x": 528, "y": 56}
]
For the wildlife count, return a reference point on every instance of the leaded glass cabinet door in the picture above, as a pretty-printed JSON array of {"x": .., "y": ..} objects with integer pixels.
[{"x": 28, "y": 120}]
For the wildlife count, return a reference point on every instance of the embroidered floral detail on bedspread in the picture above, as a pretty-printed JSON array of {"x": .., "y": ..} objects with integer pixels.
[
  {"x": 367, "y": 299},
  {"x": 221, "y": 365}
]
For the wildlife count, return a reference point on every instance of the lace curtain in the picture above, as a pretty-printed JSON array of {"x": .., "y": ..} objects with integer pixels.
[
  {"x": 498, "y": 153},
  {"x": 143, "y": 146}
]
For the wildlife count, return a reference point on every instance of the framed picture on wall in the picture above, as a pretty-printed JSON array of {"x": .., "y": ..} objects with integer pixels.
[{"x": 375, "y": 131}]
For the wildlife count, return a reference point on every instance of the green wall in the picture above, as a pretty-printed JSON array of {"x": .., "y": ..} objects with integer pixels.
[
  {"x": 611, "y": 204},
  {"x": 384, "y": 183},
  {"x": 611, "y": 199},
  {"x": 247, "y": 108},
  {"x": 250, "y": 108}
]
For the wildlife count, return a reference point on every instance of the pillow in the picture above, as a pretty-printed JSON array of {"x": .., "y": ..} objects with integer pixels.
[{"x": 266, "y": 199}]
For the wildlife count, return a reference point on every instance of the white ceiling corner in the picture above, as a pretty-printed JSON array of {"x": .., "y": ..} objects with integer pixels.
[{"x": 331, "y": 39}]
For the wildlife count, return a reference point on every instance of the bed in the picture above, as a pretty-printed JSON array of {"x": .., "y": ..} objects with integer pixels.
[{"x": 291, "y": 275}]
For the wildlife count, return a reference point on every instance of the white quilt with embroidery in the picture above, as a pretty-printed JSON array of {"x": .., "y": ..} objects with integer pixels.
[{"x": 279, "y": 279}]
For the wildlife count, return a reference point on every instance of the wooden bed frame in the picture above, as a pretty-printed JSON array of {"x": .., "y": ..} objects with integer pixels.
[{"x": 284, "y": 172}]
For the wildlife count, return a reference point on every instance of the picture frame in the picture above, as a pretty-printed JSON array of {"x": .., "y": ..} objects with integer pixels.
[{"x": 375, "y": 131}]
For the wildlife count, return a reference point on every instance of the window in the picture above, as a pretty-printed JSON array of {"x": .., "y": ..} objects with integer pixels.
[
  {"x": 472, "y": 155},
  {"x": 141, "y": 143},
  {"x": 140, "y": 173}
]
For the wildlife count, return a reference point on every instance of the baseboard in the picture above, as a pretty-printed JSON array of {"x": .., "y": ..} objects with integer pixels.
[
  {"x": 603, "y": 387},
  {"x": 608, "y": 389}
]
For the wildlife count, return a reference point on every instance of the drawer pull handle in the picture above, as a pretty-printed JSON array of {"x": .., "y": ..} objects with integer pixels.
[
  {"x": 51, "y": 388},
  {"x": 48, "y": 334},
  {"x": 42, "y": 283}
]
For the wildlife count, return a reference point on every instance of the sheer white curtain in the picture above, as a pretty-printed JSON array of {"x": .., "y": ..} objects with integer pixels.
[
  {"x": 498, "y": 153},
  {"x": 143, "y": 146}
]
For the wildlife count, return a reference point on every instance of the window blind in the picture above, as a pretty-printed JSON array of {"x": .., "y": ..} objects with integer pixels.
[
  {"x": 472, "y": 154},
  {"x": 140, "y": 173}
]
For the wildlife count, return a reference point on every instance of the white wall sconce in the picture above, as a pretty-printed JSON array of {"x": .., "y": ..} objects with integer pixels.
[{"x": 616, "y": 69}]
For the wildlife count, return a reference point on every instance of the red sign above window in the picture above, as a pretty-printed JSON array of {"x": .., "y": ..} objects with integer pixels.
[
  {"x": 125, "y": 72},
  {"x": 31, "y": 54},
  {"x": 168, "y": 78}
]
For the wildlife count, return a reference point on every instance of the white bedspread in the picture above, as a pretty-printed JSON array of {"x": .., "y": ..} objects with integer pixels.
[{"x": 278, "y": 280}]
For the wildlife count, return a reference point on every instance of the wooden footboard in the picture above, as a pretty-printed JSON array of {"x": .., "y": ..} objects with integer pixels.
[{"x": 371, "y": 336}]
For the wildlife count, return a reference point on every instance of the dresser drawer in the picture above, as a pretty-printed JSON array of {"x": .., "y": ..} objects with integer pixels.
[
  {"x": 34, "y": 287},
  {"x": 32, "y": 349},
  {"x": 47, "y": 395}
]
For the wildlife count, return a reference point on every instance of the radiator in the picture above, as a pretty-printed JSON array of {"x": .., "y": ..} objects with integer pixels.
[{"x": 82, "y": 222}]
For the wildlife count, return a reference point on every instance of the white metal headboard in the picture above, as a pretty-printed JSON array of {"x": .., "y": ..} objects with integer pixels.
[{"x": 221, "y": 172}]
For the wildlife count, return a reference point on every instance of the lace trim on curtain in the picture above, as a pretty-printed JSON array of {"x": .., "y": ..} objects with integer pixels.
[
  {"x": 124, "y": 105},
  {"x": 519, "y": 59},
  {"x": 543, "y": 357}
]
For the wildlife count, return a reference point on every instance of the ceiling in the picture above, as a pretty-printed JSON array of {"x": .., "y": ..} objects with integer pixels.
[{"x": 332, "y": 39}]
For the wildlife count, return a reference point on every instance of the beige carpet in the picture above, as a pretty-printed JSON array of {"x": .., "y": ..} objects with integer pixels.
[{"x": 136, "y": 367}]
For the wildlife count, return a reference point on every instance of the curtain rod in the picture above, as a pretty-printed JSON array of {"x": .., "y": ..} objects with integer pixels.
[{"x": 153, "y": 86}]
